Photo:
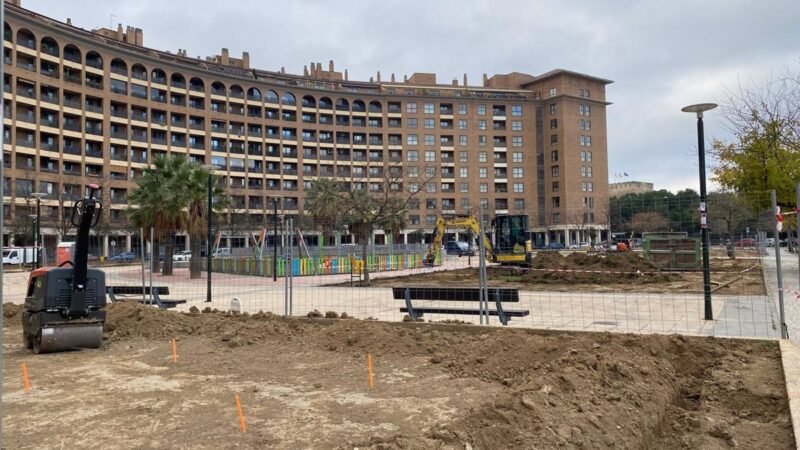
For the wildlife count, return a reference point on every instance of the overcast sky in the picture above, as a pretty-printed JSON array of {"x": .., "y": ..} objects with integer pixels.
[{"x": 662, "y": 55}]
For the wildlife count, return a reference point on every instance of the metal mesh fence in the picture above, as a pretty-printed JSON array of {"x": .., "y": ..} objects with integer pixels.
[{"x": 634, "y": 266}]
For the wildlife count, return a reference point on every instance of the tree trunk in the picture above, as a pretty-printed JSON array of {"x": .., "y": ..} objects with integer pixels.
[
  {"x": 168, "y": 251},
  {"x": 196, "y": 260},
  {"x": 154, "y": 255},
  {"x": 364, "y": 254}
]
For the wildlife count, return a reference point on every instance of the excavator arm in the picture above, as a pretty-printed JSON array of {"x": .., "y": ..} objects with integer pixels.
[{"x": 463, "y": 222}]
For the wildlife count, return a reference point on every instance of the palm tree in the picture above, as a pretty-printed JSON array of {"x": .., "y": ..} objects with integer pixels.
[
  {"x": 171, "y": 197},
  {"x": 197, "y": 213}
]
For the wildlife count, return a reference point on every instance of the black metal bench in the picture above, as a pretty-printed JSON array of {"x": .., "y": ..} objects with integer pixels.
[
  {"x": 157, "y": 291},
  {"x": 498, "y": 296}
]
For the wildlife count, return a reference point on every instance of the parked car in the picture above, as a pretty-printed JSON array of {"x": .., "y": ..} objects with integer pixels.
[
  {"x": 580, "y": 246},
  {"x": 185, "y": 255},
  {"x": 746, "y": 242},
  {"x": 555, "y": 246},
  {"x": 222, "y": 252},
  {"x": 123, "y": 257},
  {"x": 459, "y": 248},
  {"x": 770, "y": 242}
]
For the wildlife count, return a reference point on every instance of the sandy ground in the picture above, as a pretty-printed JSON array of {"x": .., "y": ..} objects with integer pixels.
[{"x": 304, "y": 384}]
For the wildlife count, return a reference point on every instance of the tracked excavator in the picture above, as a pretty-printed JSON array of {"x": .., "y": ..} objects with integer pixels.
[
  {"x": 512, "y": 243},
  {"x": 64, "y": 305}
]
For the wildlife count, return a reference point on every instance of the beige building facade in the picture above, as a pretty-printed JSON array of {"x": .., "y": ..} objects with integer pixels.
[{"x": 98, "y": 106}]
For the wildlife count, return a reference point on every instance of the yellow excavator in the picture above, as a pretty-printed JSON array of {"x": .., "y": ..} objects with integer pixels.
[{"x": 512, "y": 243}]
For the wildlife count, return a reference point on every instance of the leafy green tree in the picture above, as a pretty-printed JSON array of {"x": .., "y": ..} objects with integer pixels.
[{"x": 385, "y": 208}]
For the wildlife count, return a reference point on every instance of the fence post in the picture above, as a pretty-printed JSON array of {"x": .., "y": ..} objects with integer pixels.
[
  {"x": 142, "y": 250},
  {"x": 797, "y": 231},
  {"x": 784, "y": 332},
  {"x": 483, "y": 301}
]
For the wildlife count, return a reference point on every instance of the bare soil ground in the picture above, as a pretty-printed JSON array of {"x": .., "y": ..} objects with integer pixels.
[
  {"x": 303, "y": 384},
  {"x": 616, "y": 272}
]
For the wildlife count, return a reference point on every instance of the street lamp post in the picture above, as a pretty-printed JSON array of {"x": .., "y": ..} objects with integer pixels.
[
  {"x": 209, "y": 221},
  {"x": 38, "y": 229},
  {"x": 698, "y": 109},
  {"x": 275, "y": 239}
]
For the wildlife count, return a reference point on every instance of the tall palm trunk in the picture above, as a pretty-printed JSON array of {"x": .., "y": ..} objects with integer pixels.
[
  {"x": 168, "y": 251},
  {"x": 154, "y": 255},
  {"x": 196, "y": 260}
]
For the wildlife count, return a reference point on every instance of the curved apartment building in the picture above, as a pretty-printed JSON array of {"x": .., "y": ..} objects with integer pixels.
[{"x": 97, "y": 106}]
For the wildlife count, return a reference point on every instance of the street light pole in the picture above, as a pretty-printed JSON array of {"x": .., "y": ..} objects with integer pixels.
[
  {"x": 275, "y": 239},
  {"x": 37, "y": 229},
  {"x": 209, "y": 222},
  {"x": 701, "y": 154}
]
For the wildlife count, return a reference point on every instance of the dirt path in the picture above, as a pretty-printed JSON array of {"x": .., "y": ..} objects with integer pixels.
[{"x": 303, "y": 384}]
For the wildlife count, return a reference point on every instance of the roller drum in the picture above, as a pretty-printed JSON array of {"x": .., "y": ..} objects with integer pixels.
[{"x": 67, "y": 337}]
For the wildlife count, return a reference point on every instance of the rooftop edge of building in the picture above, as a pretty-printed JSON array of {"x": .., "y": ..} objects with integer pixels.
[{"x": 132, "y": 38}]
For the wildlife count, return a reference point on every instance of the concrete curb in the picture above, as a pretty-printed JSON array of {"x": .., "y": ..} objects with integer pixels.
[{"x": 790, "y": 360}]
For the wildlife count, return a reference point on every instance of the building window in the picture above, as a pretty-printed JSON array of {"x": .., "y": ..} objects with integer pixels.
[
  {"x": 516, "y": 157},
  {"x": 556, "y": 202},
  {"x": 584, "y": 110},
  {"x": 413, "y": 187},
  {"x": 464, "y": 186},
  {"x": 430, "y": 172},
  {"x": 411, "y": 107},
  {"x": 430, "y": 156},
  {"x": 462, "y": 124},
  {"x": 412, "y": 139},
  {"x": 483, "y": 187},
  {"x": 553, "y": 124},
  {"x": 462, "y": 108},
  {"x": 590, "y": 186},
  {"x": 430, "y": 187},
  {"x": 463, "y": 172},
  {"x": 516, "y": 141},
  {"x": 482, "y": 157},
  {"x": 428, "y": 108},
  {"x": 553, "y": 108},
  {"x": 554, "y": 156},
  {"x": 463, "y": 156},
  {"x": 583, "y": 155},
  {"x": 430, "y": 139},
  {"x": 588, "y": 202},
  {"x": 554, "y": 171},
  {"x": 518, "y": 187},
  {"x": 556, "y": 218},
  {"x": 588, "y": 141},
  {"x": 516, "y": 125},
  {"x": 462, "y": 140},
  {"x": 465, "y": 203},
  {"x": 519, "y": 204},
  {"x": 483, "y": 172},
  {"x": 555, "y": 186},
  {"x": 516, "y": 172},
  {"x": 482, "y": 141},
  {"x": 553, "y": 92},
  {"x": 411, "y": 123},
  {"x": 583, "y": 140},
  {"x": 586, "y": 124},
  {"x": 481, "y": 124},
  {"x": 553, "y": 139},
  {"x": 584, "y": 93},
  {"x": 481, "y": 110},
  {"x": 413, "y": 172},
  {"x": 516, "y": 110},
  {"x": 413, "y": 155},
  {"x": 428, "y": 123},
  {"x": 586, "y": 171}
]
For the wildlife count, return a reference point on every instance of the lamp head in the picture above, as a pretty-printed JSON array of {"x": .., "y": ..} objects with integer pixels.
[{"x": 699, "y": 108}]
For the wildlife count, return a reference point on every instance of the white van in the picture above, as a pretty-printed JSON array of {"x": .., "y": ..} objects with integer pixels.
[
  {"x": 222, "y": 252},
  {"x": 19, "y": 255}
]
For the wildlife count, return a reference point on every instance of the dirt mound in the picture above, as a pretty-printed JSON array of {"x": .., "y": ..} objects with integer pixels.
[{"x": 12, "y": 314}]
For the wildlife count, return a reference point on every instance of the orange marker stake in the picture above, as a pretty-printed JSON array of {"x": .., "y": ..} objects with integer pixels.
[
  {"x": 369, "y": 366},
  {"x": 25, "y": 377},
  {"x": 241, "y": 414},
  {"x": 174, "y": 352}
]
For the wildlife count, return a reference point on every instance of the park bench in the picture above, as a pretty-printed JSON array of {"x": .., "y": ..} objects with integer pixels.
[
  {"x": 497, "y": 296},
  {"x": 129, "y": 291}
]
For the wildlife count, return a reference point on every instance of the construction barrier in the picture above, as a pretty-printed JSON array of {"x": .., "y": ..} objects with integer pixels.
[{"x": 326, "y": 265}]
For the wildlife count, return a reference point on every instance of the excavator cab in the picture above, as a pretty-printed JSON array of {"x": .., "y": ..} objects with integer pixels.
[{"x": 512, "y": 243}]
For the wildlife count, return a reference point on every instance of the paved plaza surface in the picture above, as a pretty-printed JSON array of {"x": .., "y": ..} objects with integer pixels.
[{"x": 746, "y": 315}]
